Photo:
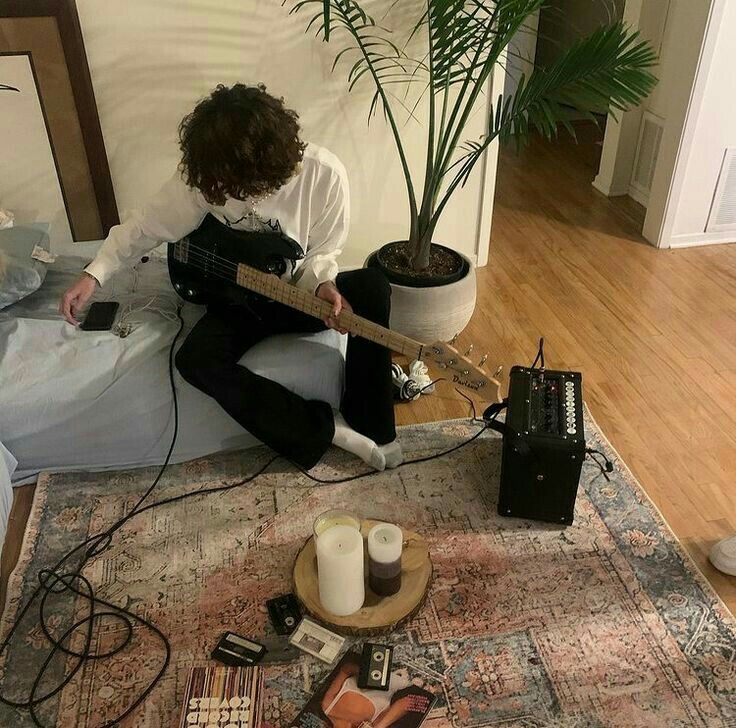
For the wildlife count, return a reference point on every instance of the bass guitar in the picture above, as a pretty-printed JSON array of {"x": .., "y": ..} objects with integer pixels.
[{"x": 218, "y": 262}]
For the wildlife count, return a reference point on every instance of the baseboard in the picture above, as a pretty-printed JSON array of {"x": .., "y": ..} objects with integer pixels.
[
  {"x": 638, "y": 196},
  {"x": 695, "y": 240},
  {"x": 609, "y": 190}
]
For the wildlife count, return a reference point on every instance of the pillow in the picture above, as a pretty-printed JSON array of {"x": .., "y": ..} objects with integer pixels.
[{"x": 20, "y": 275}]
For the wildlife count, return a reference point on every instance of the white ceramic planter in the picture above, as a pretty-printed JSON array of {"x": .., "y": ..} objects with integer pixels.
[{"x": 435, "y": 313}]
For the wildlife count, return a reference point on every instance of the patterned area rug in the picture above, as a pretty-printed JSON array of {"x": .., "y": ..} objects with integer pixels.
[{"x": 605, "y": 623}]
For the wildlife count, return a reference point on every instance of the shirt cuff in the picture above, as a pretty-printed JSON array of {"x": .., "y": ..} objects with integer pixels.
[
  {"x": 98, "y": 270},
  {"x": 311, "y": 281}
]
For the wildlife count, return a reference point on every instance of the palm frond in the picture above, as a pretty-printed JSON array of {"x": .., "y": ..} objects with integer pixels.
[
  {"x": 611, "y": 69},
  {"x": 467, "y": 35},
  {"x": 371, "y": 50}
]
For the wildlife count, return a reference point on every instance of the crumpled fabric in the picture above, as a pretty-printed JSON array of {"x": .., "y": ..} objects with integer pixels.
[
  {"x": 420, "y": 374},
  {"x": 6, "y": 219}
]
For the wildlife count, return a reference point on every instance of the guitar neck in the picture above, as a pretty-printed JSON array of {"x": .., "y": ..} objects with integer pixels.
[{"x": 274, "y": 288}]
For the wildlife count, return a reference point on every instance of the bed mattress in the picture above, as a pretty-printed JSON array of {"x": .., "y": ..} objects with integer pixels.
[{"x": 71, "y": 399}]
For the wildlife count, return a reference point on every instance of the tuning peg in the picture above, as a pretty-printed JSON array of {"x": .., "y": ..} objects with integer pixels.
[
  {"x": 483, "y": 360},
  {"x": 498, "y": 371},
  {"x": 469, "y": 351},
  {"x": 454, "y": 339}
]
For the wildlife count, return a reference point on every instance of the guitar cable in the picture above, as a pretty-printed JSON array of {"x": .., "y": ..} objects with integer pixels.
[{"x": 64, "y": 581}]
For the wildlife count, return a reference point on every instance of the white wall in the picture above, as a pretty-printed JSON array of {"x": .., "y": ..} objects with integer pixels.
[
  {"x": 151, "y": 60},
  {"x": 711, "y": 128},
  {"x": 522, "y": 53}
]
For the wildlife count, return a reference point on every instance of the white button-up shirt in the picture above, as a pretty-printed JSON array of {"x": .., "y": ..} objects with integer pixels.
[{"x": 313, "y": 208}]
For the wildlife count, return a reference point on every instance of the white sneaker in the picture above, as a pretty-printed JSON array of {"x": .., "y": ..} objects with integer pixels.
[{"x": 723, "y": 556}]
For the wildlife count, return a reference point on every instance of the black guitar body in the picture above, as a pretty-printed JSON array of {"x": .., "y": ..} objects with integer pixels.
[{"x": 203, "y": 265}]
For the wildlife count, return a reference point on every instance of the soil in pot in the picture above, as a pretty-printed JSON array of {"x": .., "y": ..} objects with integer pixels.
[{"x": 394, "y": 259}]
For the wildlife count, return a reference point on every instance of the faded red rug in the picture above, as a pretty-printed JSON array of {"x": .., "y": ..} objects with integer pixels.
[{"x": 605, "y": 623}]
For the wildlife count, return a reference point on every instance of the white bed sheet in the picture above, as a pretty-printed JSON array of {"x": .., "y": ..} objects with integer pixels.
[{"x": 71, "y": 399}]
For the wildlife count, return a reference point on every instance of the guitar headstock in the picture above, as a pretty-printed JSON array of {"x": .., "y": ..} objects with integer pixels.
[{"x": 463, "y": 372}]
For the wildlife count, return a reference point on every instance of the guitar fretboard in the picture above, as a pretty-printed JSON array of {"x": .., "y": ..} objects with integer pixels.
[{"x": 273, "y": 287}]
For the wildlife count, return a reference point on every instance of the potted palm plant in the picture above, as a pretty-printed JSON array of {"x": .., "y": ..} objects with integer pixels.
[{"x": 447, "y": 51}]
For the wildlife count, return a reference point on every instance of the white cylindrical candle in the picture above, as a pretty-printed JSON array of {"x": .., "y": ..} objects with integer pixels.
[
  {"x": 335, "y": 517},
  {"x": 385, "y": 543},
  {"x": 340, "y": 570}
]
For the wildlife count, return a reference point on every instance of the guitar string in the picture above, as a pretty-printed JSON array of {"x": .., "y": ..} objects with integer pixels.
[
  {"x": 231, "y": 267},
  {"x": 204, "y": 251},
  {"x": 194, "y": 246},
  {"x": 316, "y": 305},
  {"x": 392, "y": 339},
  {"x": 201, "y": 264},
  {"x": 206, "y": 257}
]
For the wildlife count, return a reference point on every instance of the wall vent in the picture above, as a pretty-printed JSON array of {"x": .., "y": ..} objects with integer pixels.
[
  {"x": 723, "y": 210},
  {"x": 647, "y": 152}
]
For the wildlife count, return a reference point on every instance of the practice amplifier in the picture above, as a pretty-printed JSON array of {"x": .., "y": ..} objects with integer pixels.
[{"x": 543, "y": 445}]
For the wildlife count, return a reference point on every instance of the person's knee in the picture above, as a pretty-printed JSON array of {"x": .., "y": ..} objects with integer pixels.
[
  {"x": 377, "y": 283},
  {"x": 372, "y": 296}
]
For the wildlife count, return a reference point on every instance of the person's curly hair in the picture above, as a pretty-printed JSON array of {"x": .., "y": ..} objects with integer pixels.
[{"x": 239, "y": 142}]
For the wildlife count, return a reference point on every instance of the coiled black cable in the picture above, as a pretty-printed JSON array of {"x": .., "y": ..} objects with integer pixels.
[{"x": 66, "y": 579}]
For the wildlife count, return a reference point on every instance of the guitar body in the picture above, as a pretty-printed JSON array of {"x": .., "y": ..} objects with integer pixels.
[{"x": 202, "y": 265}]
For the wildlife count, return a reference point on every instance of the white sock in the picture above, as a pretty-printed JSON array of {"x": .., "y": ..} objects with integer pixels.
[
  {"x": 392, "y": 453},
  {"x": 348, "y": 439}
]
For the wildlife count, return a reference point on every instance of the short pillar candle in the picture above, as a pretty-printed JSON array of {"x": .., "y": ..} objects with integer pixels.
[
  {"x": 340, "y": 570},
  {"x": 385, "y": 543}
]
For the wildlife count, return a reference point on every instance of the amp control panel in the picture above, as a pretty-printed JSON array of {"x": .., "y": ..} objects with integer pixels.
[{"x": 554, "y": 403}]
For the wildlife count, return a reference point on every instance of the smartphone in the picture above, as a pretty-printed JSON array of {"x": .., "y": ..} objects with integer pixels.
[{"x": 100, "y": 316}]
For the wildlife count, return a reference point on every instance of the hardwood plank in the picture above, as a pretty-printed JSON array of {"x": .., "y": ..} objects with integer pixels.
[
  {"x": 653, "y": 331},
  {"x": 22, "y": 502}
]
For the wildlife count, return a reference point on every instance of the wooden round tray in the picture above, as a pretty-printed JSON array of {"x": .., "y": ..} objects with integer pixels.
[{"x": 379, "y": 615}]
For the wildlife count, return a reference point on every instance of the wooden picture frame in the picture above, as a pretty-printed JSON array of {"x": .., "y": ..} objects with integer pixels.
[{"x": 49, "y": 31}]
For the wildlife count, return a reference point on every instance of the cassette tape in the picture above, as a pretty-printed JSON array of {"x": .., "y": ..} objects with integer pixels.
[{"x": 375, "y": 667}]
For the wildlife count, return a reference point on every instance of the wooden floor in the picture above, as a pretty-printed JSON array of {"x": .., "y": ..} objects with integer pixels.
[{"x": 654, "y": 333}]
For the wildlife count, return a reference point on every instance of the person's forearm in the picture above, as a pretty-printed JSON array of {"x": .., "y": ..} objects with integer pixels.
[
  {"x": 123, "y": 244},
  {"x": 171, "y": 214}
]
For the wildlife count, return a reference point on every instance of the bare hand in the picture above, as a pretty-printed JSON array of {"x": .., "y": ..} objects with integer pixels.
[
  {"x": 328, "y": 292},
  {"x": 76, "y": 297}
]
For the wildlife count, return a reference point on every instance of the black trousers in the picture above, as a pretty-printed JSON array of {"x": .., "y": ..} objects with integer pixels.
[{"x": 297, "y": 428}]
